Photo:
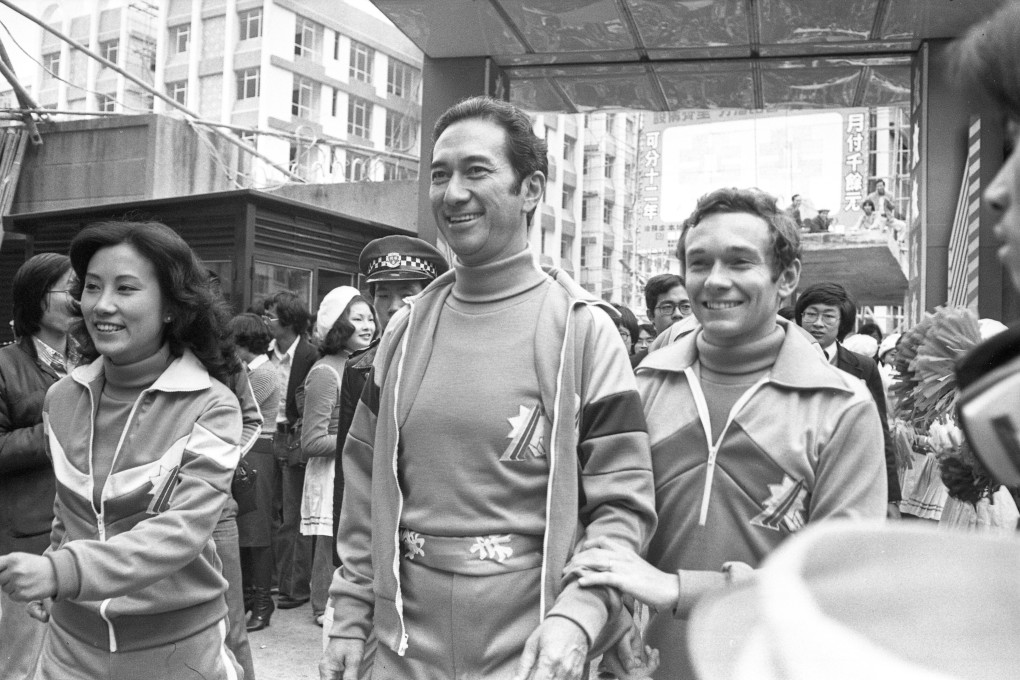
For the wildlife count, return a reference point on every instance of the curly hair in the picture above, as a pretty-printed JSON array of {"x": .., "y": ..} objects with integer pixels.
[
  {"x": 290, "y": 310},
  {"x": 29, "y": 289},
  {"x": 198, "y": 314},
  {"x": 784, "y": 239},
  {"x": 250, "y": 332},
  {"x": 342, "y": 329},
  {"x": 829, "y": 294}
]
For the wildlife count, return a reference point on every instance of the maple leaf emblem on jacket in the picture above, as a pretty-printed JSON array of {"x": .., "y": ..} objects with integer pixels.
[{"x": 528, "y": 430}]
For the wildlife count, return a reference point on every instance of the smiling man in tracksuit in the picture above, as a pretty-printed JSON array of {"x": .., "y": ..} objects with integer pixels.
[
  {"x": 500, "y": 425},
  {"x": 754, "y": 434}
]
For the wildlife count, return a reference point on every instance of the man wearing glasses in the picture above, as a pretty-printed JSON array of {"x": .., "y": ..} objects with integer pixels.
[
  {"x": 667, "y": 300},
  {"x": 826, "y": 311}
]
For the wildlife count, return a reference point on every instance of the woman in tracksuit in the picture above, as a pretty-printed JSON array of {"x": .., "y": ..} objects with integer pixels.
[{"x": 144, "y": 442}]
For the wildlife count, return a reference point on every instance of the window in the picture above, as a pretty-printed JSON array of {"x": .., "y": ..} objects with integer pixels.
[
  {"x": 607, "y": 212},
  {"x": 565, "y": 247},
  {"x": 178, "y": 91},
  {"x": 272, "y": 278},
  {"x": 568, "y": 198},
  {"x": 51, "y": 64},
  {"x": 248, "y": 137},
  {"x": 394, "y": 171},
  {"x": 356, "y": 167},
  {"x": 568, "y": 148},
  {"x": 400, "y": 131},
  {"x": 301, "y": 101},
  {"x": 180, "y": 36},
  {"x": 361, "y": 61},
  {"x": 251, "y": 24},
  {"x": 304, "y": 38},
  {"x": 359, "y": 117},
  {"x": 248, "y": 83},
  {"x": 610, "y": 161},
  {"x": 607, "y": 259},
  {"x": 109, "y": 50},
  {"x": 401, "y": 78},
  {"x": 586, "y": 165},
  {"x": 334, "y": 108},
  {"x": 584, "y": 256},
  {"x": 584, "y": 210},
  {"x": 336, "y": 47},
  {"x": 107, "y": 103}
]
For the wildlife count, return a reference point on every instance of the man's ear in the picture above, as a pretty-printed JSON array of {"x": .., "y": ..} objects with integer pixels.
[
  {"x": 533, "y": 187},
  {"x": 789, "y": 278}
]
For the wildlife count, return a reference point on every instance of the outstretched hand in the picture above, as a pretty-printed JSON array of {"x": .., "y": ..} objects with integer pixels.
[
  {"x": 27, "y": 577},
  {"x": 603, "y": 562}
]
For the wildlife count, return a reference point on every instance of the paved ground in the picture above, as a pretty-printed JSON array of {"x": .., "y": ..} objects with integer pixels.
[{"x": 290, "y": 648}]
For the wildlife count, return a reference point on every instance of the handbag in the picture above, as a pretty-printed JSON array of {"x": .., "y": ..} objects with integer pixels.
[{"x": 242, "y": 488}]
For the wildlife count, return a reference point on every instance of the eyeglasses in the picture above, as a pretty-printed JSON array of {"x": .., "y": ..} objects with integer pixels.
[
  {"x": 829, "y": 319},
  {"x": 669, "y": 308}
]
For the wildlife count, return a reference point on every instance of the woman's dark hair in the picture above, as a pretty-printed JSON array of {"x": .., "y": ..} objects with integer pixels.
[
  {"x": 647, "y": 328},
  {"x": 867, "y": 201},
  {"x": 198, "y": 315},
  {"x": 871, "y": 328},
  {"x": 250, "y": 332},
  {"x": 627, "y": 320},
  {"x": 829, "y": 294},
  {"x": 290, "y": 311},
  {"x": 342, "y": 329},
  {"x": 29, "y": 289}
]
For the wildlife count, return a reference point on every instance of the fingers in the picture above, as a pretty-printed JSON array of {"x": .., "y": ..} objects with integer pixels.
[
  {"x": 38, "y": 611},
  {"x": 351, "y": 668},
  {"x": 528, "y": 657}
]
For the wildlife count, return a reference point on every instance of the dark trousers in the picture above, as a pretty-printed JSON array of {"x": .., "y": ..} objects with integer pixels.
[
  {"x": 225, "y": 537},
  {"x": 293, "y": 551}
]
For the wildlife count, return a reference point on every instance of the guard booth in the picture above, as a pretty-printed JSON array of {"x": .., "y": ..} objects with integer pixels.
[{"x": 257, "y": 243}]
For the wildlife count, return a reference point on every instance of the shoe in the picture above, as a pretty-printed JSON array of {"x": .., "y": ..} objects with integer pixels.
[
  {"x": 288, "y": 602},
  {"x": 319, "y": 619},
  {"x": 262, "y": 611},
  {"x": 249, "y": 599}
]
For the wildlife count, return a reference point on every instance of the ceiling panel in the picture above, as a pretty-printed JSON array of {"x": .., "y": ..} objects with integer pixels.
[
  {"x": 690, "y": 23},
  {"x": 887, "y": 86},
  {"x": 452, "y": 28},
  {"x": 569, "y": 25},
  {"x": 709, "y": 86},
  {"x": 536, "y": 94},
  {"x": 809, "y": 84},
  {"x": 797, "y": 21},
  {"x": 611, "y": 87}
]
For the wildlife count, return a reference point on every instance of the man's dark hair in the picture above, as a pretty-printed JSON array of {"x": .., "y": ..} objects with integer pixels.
[
  {"x": 879, "y": 181},
  {"x": 290, "y": 310},
  {"x": 871, "y": 328},
  {"x": 829, "y": 294},
  {"x": 784, "y": 238},
  {"x": 29, "y": 289},
  {"x": 786, "y": 312},
  {"x": 657, "y": 285},
  {"x": 250, "y": 332},
  {"x": 527, "y": 151}
]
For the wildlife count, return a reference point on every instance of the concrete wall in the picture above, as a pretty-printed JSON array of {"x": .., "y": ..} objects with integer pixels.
[
  {"x": 119, "y": 159},
  {"x": 393, "y": 204}
]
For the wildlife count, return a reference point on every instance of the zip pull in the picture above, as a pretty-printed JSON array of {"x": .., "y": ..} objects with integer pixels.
[{"x": 101, "y": 526}]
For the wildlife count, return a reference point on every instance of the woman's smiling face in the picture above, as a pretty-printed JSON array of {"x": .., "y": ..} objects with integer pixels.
[{"x": 122, "y": 304}]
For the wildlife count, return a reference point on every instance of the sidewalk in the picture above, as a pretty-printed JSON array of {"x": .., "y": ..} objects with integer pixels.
[{"x": 289, "y": 649}]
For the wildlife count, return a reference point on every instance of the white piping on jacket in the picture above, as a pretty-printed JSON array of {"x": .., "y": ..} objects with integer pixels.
[{"x": 706, "y": 423}]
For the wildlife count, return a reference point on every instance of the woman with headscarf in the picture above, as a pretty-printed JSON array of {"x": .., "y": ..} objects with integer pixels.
[{"x": 345, "y": 323}]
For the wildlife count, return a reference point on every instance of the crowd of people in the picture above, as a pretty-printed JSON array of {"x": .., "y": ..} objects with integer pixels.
[{"x": 475, "y": 469}]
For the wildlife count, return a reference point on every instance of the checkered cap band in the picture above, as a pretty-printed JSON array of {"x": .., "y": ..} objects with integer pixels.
[{"x": 395, "y": 261}]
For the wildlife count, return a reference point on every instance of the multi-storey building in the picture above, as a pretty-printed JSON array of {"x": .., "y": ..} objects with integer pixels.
[
  {"x": 339, "y": 84},
  {"x": 333, "y": 87},
  {"x": 586, "y": 221}
]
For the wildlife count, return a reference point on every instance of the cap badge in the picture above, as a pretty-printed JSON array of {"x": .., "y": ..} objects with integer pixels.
[{"x": 392, "y": 260}]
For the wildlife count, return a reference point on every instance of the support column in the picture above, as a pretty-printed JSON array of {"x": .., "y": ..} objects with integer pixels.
[
  {"x": 444, "y": 83},
  {"x": 941, "y": 121}
]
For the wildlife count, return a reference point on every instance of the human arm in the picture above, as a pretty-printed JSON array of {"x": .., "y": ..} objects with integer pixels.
[
  {"x": 617, "y": 493},
  {"x": 873, "y": 380},
  {"x": 351, "y": 588},
  {"x": 321, "y": 396},
  {"x": 22, "y": 445},
  {"x": 163, "y": 543},
  {"x": 850, "y": 478},
  {"x": 251, "y": 416}
]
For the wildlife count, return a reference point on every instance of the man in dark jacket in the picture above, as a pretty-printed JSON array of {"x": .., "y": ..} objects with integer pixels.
[
  {"x": 826, "y": 311},
  {"x": 395, "y": 268},
  {"x": 292, "y": 354}
]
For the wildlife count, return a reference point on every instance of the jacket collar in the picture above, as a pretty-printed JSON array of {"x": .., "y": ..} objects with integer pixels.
[
  {"x": 184, "y": 374},
  {"x": 799, "y": 366}
]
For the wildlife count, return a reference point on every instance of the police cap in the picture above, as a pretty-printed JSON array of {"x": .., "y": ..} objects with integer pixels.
[{"x": 401, "y": 258}]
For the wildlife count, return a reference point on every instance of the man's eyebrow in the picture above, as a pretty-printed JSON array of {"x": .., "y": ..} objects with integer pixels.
[{"x": 474, "y": 158}]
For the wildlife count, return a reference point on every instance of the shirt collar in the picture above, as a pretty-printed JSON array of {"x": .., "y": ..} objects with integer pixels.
[
  {"x": 290, "y": 350},
  {"x": 257, "y": 361}
]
